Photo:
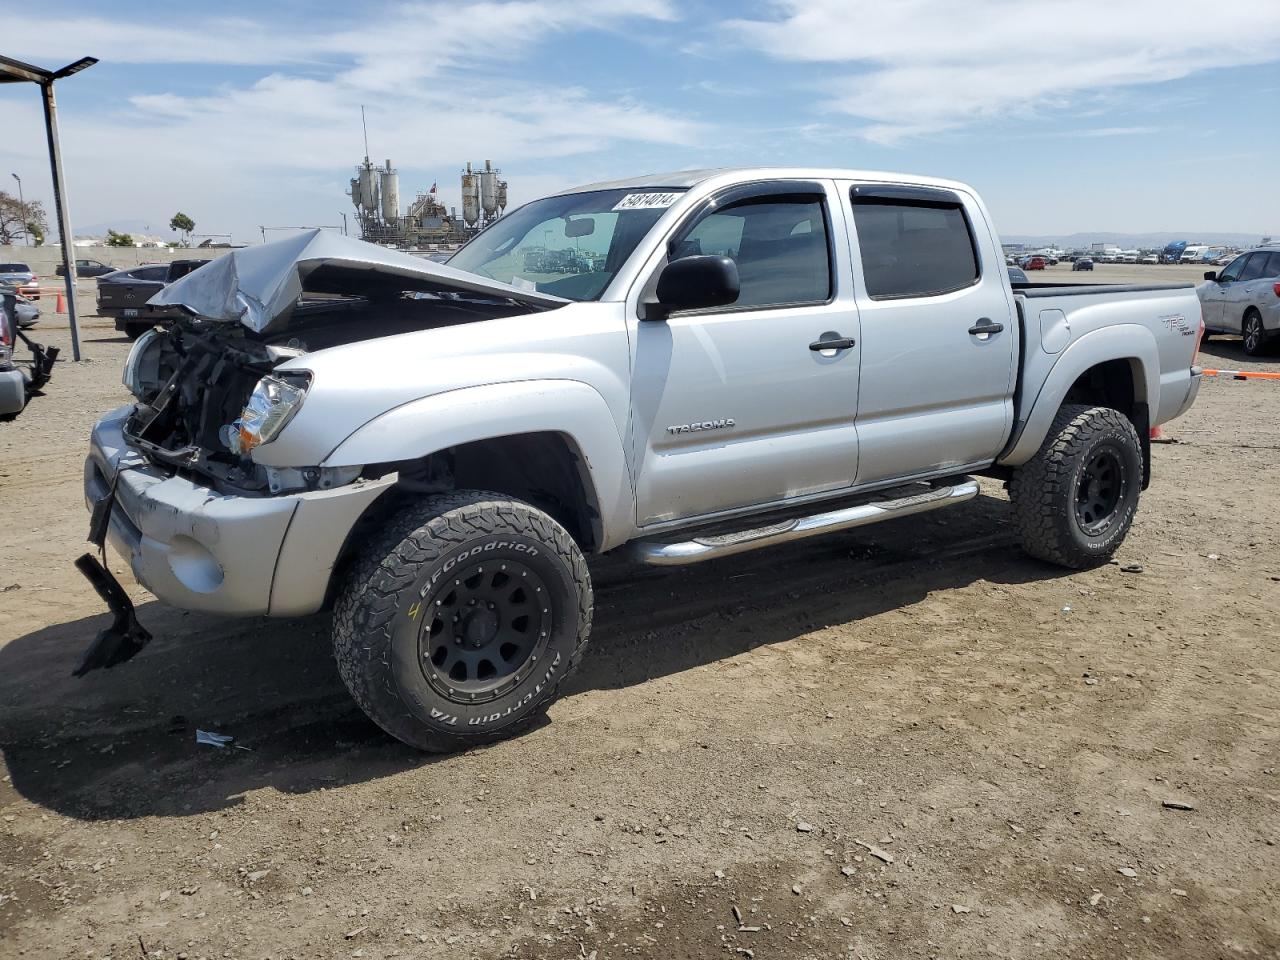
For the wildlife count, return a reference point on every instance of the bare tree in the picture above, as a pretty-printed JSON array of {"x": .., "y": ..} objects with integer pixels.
[{"x": 18, "y": 219}]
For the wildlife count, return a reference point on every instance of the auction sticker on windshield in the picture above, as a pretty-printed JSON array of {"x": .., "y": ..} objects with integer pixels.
[{"x": 646, "y": 201}]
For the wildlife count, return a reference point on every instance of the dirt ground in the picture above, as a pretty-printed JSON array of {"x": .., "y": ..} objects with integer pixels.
[{"x": 911, "y": 741}]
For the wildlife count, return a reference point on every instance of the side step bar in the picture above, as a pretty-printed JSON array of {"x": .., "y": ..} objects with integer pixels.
[{"x": 710, "y": 547}]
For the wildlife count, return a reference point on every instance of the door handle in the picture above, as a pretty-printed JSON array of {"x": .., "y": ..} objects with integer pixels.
[
  {"x": 986, "y": 325},
  {"x": 831, "y": 342}
]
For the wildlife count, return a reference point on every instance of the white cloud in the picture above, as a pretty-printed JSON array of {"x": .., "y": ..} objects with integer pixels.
[
  {"x": 919, "y": 67},
  {"x": 441, "y": 83}
]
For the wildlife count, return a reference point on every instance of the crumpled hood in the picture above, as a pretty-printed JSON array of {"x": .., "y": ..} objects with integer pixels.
[{"x": 260, "y": 286}]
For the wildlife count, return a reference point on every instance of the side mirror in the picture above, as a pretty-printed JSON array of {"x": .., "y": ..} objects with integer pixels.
[
  {"x": 1211, "y": 274},
  {"x": 695, "y": 283}
]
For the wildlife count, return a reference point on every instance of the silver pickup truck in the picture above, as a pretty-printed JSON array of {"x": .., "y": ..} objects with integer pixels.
[{"x": 682, "y": 367}]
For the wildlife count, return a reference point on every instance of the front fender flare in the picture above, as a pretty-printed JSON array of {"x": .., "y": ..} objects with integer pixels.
[
  {"x": 570, "y": 408},
  {"x": 1125, "y": 341}
]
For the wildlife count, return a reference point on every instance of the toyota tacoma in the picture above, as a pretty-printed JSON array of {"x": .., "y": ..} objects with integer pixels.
[{"x": 680, "y": 367}]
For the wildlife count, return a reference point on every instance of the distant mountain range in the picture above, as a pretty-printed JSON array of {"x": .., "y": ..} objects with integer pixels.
[
  {"x": 122, "y": 226},
  {"x": 1130, "y": 241}
]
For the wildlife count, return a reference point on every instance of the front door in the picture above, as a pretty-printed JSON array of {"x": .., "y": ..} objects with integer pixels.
[
  {"x": 1246, "y": 290},
  {"x": 1215, "y": 294},
  {"x": 739, "y": 406},
  {"x": 938, "y": 333}
]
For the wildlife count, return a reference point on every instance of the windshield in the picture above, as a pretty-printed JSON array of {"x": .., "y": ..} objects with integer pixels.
[
  {"x": 14, "y": 268},
  {"x": 569, "y": 246}
]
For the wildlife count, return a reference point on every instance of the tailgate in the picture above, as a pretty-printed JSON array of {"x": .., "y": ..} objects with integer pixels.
[{"x": 118, "y": 296}]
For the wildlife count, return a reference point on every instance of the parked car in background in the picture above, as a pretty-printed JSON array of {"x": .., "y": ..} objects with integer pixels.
[
  {"x": 1245, "y": 298},
  {"x": 21, "y": 278},
  {"x": 87, "y": 268},
  {"x": 1084, "y": 263},
  {"x": 19, "y": 379},
  {"x": 1149, "y": 258},
  {"x": 25, "y": 311},
  {"x": 123, "y": 295},
  {"x": 1034, "y": 263}
]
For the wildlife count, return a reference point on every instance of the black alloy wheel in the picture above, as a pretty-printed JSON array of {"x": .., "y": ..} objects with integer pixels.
[
  {"x": 1099, "y": 490},
  {"x": 484, "y": 630}
]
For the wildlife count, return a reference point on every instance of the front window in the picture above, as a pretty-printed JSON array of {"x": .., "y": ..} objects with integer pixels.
[
  {"x": 569, "y": 246},
  {"x": 1255, "y": 267},
  {"x": 779, "y": 244},
  {"x": 1233, "y": 271}
]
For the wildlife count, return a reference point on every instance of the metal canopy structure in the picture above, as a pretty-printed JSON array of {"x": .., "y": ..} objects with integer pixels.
[{"x": 15, "y": 71}]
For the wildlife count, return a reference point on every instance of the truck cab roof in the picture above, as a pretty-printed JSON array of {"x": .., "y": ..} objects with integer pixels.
[{"x": 723, "y": 176}]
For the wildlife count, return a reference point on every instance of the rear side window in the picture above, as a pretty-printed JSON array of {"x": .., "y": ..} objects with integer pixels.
[
  {"x": 150, "y": 273},
  {"x": 1272, "y": 268},
  {"x": 779, "y": 244},
  {"x": 1255, "y": 268},
  {"x": 914, "y": 248}
]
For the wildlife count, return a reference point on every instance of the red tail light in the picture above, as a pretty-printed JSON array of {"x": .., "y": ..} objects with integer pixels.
[
  {"x": 1195, "y": 354},
  {"x": 6, "y": 338},
  {"x": 1276, "y": 288}
]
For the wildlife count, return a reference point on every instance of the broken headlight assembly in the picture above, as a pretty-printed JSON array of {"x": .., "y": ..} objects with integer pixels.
[{"x": 274, "y": 402}]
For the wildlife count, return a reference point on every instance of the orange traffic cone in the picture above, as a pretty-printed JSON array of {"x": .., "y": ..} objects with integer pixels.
[{"x": 60, "y": 306}]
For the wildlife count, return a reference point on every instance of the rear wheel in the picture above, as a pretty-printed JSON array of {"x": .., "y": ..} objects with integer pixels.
[
  {"x": 1253, "y": 334},
  {"x": 458, "y": 625},
  {"x": 1074, "y": 501}
]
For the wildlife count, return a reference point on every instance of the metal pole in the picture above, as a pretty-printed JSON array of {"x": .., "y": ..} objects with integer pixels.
[
  {"x": 60, "y": 209},
  {"x": 22, "y": 204}
]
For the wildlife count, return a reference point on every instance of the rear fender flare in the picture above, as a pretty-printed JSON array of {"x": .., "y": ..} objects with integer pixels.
[
  {"x": 570, "y": 408},
  {"x": 1126, "y": 341}
]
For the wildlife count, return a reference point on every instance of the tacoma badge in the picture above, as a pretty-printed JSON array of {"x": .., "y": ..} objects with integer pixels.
[{"x": 722, "y": 424}]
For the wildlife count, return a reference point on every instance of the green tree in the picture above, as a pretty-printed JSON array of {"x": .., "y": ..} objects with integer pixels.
[
  {"x": 17, "y": 218},
  {"x": 184, "y": 225},
  {"x": 119, "y": 239}
]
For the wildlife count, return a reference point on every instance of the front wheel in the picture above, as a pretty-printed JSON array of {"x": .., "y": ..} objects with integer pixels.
[
  {"x": 1254, "y": 335},
  {"x": 1074, "y": 501},
  {"x": 458, "y": 625}
]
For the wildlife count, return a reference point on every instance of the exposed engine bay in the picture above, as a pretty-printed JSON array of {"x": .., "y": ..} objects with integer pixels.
[{"x": 197, "y": 380}]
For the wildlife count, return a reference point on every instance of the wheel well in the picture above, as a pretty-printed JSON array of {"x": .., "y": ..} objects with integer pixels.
[
  {"x": 1110, "y": 384},
  {"x": 544, "y": 469},
  {"x": 1118, "y": 384}
]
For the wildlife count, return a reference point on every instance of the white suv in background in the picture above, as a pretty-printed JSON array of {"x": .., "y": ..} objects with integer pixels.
[{"x": 1244, "y": 298}]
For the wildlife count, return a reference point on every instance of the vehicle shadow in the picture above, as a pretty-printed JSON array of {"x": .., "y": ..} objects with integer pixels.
[
  {"x": 1229, "y": 348},
  {"x": 120, "y": 339},
  {"x": 121, "y": 743}
]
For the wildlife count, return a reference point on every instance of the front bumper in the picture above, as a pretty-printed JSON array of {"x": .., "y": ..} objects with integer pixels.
[{"x": 199, "y": 549}]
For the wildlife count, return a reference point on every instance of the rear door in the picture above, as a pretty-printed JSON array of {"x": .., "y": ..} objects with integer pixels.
[
  {"x": 938, "y": 332},
  {"x": 737, "y": 406}
]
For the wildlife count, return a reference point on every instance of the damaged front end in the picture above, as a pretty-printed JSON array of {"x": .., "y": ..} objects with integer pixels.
[{"x": 173, "y": 481}]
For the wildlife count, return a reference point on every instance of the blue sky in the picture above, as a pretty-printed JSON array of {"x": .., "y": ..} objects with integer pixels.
[{"x": 1097, "y": 115}]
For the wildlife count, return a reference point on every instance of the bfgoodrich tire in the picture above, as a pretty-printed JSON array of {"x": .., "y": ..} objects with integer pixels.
[
  {"x": 1074, "y": 501},
  {"x": 458, "y": 625}
]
